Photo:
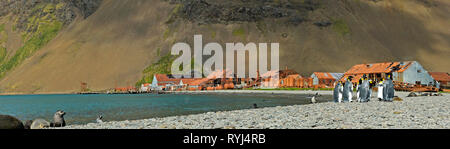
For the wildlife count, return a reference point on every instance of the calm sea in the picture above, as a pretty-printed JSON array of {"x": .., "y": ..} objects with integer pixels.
[{"x": 81, "y": 109}]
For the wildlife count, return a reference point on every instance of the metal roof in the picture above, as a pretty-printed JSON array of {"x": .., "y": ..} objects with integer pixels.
[{"x": 385, "y": 67}]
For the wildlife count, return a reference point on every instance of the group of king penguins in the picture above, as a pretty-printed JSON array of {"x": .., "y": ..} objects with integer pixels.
[{"x": 343, "y": 92}]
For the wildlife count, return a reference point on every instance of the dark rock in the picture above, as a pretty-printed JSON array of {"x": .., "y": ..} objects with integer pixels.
[
  {"x": 65, "y": 12},
  {"x": 412, "y": 94},
  {"x": 215, "y": 12},
  {"x": 323, "y": 24},
  {"x": 10, "y": 122}
]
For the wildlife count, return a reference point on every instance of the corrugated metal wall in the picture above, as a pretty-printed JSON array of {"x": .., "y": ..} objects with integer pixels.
[{"x": 416, "y": 72}]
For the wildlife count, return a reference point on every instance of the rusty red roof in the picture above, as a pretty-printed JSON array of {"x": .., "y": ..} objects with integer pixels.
[
  {"x": 355, "y": 77},
  {"x": 385, "y": 67},
  {"x": 161, "y": 77},
  {"x": 324, "y": 75},
  {"x": 440, "y": 76},
  {"x": 294, "y": 76},
  {"x": 198, "y": 82}
]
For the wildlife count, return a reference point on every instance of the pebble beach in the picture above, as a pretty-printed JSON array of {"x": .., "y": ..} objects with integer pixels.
[{"x": 425, "y": 112}]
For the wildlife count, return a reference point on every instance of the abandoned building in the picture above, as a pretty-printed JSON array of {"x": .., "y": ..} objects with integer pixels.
[
  {"x": 410, "y": 72},
  {"x": 442, "y": 78},
  {"x": 325, "y": 79}
]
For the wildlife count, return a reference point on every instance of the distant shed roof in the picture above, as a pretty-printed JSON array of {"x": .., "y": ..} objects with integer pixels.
[
  {"x": 440, "y": 76},
  {"x": 328, "y": 75}
]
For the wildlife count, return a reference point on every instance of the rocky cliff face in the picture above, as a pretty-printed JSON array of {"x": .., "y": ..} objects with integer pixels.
[
  {"x": 31, "y": 24},
  {"x": 64, "y": 10},
  {"x": 235, "y": 11}
]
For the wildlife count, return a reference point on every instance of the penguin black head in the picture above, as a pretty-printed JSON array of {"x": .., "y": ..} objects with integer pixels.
[{"x": 255, "y": 105}]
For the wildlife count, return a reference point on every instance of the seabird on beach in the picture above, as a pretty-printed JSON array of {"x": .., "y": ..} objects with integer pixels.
[
  {"x": 313, "y": 99},
  {"x": 99, "y": 119}
]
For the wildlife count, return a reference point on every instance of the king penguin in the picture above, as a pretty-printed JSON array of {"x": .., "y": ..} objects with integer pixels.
[
  {"x": 358, "y": 90},
  {"x": 365, "y": 93},
  {"x": 347, "y": 94},
  {"x": 337, "y": 92},
  {"x": 389, "y": 91}
]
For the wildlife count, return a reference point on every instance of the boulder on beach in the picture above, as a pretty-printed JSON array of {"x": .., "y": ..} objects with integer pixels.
[
  {"x": 412, "y": 94},
  {"x": 10, "y": 122},
  {"x": 39, "y": 124}
]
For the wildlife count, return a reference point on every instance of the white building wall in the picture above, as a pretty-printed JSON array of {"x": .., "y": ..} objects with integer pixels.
[
  {"x": 416, "y": 72},
  {"x": 315, "y": 79},
  {"x": 154, "y": 82}
]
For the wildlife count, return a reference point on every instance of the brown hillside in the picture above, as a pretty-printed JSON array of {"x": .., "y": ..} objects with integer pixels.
[{"x": 115, "y": 44}]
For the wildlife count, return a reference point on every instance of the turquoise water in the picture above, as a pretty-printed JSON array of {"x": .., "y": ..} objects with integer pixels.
[{"x": 81, "y": 109}]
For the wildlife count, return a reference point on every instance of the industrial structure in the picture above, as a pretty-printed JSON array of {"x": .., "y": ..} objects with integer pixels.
[
  {"x": 325, "y": 79},
  {"x": 410, "y": 72},
  {"x": 442, "y": 79},
  {"x": 407, "y": 76}
]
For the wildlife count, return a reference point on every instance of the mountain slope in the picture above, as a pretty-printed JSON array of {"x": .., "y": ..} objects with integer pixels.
[{"x": 114, "y": 45}]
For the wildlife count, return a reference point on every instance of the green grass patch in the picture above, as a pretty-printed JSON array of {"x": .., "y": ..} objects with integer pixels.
[
  {"x": 38, "y": 7},
  {"x": 158, "y": 52},
  {"x": 213, "y": 34},
  {"x": 166, "y": 33},
  {"x": 240, "y": 32},
  {"x": 2, "y": 54},
  {"x": 162, "y": 66},
  {"x": 42, "y": 27},
  {"x": 2, "y": 27},
  {"x": 59, "y": 6},
  {"x": 174, "y": 13},
  {"x": 45, "y": 33},
  {"x": 3, "y": 35},
  {"x": 340, "y": 27},
  {"x": 49, "y": 8}
]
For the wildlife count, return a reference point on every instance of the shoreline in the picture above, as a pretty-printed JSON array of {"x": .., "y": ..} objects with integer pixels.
[
  {"x": 322, "y": 92},
  {"x": 190, "y": 92},
  {"x": 411, "y": 113}
]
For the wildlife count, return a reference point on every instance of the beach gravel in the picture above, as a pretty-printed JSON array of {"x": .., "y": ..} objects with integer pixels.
[{"x": 411, "y": 113}]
